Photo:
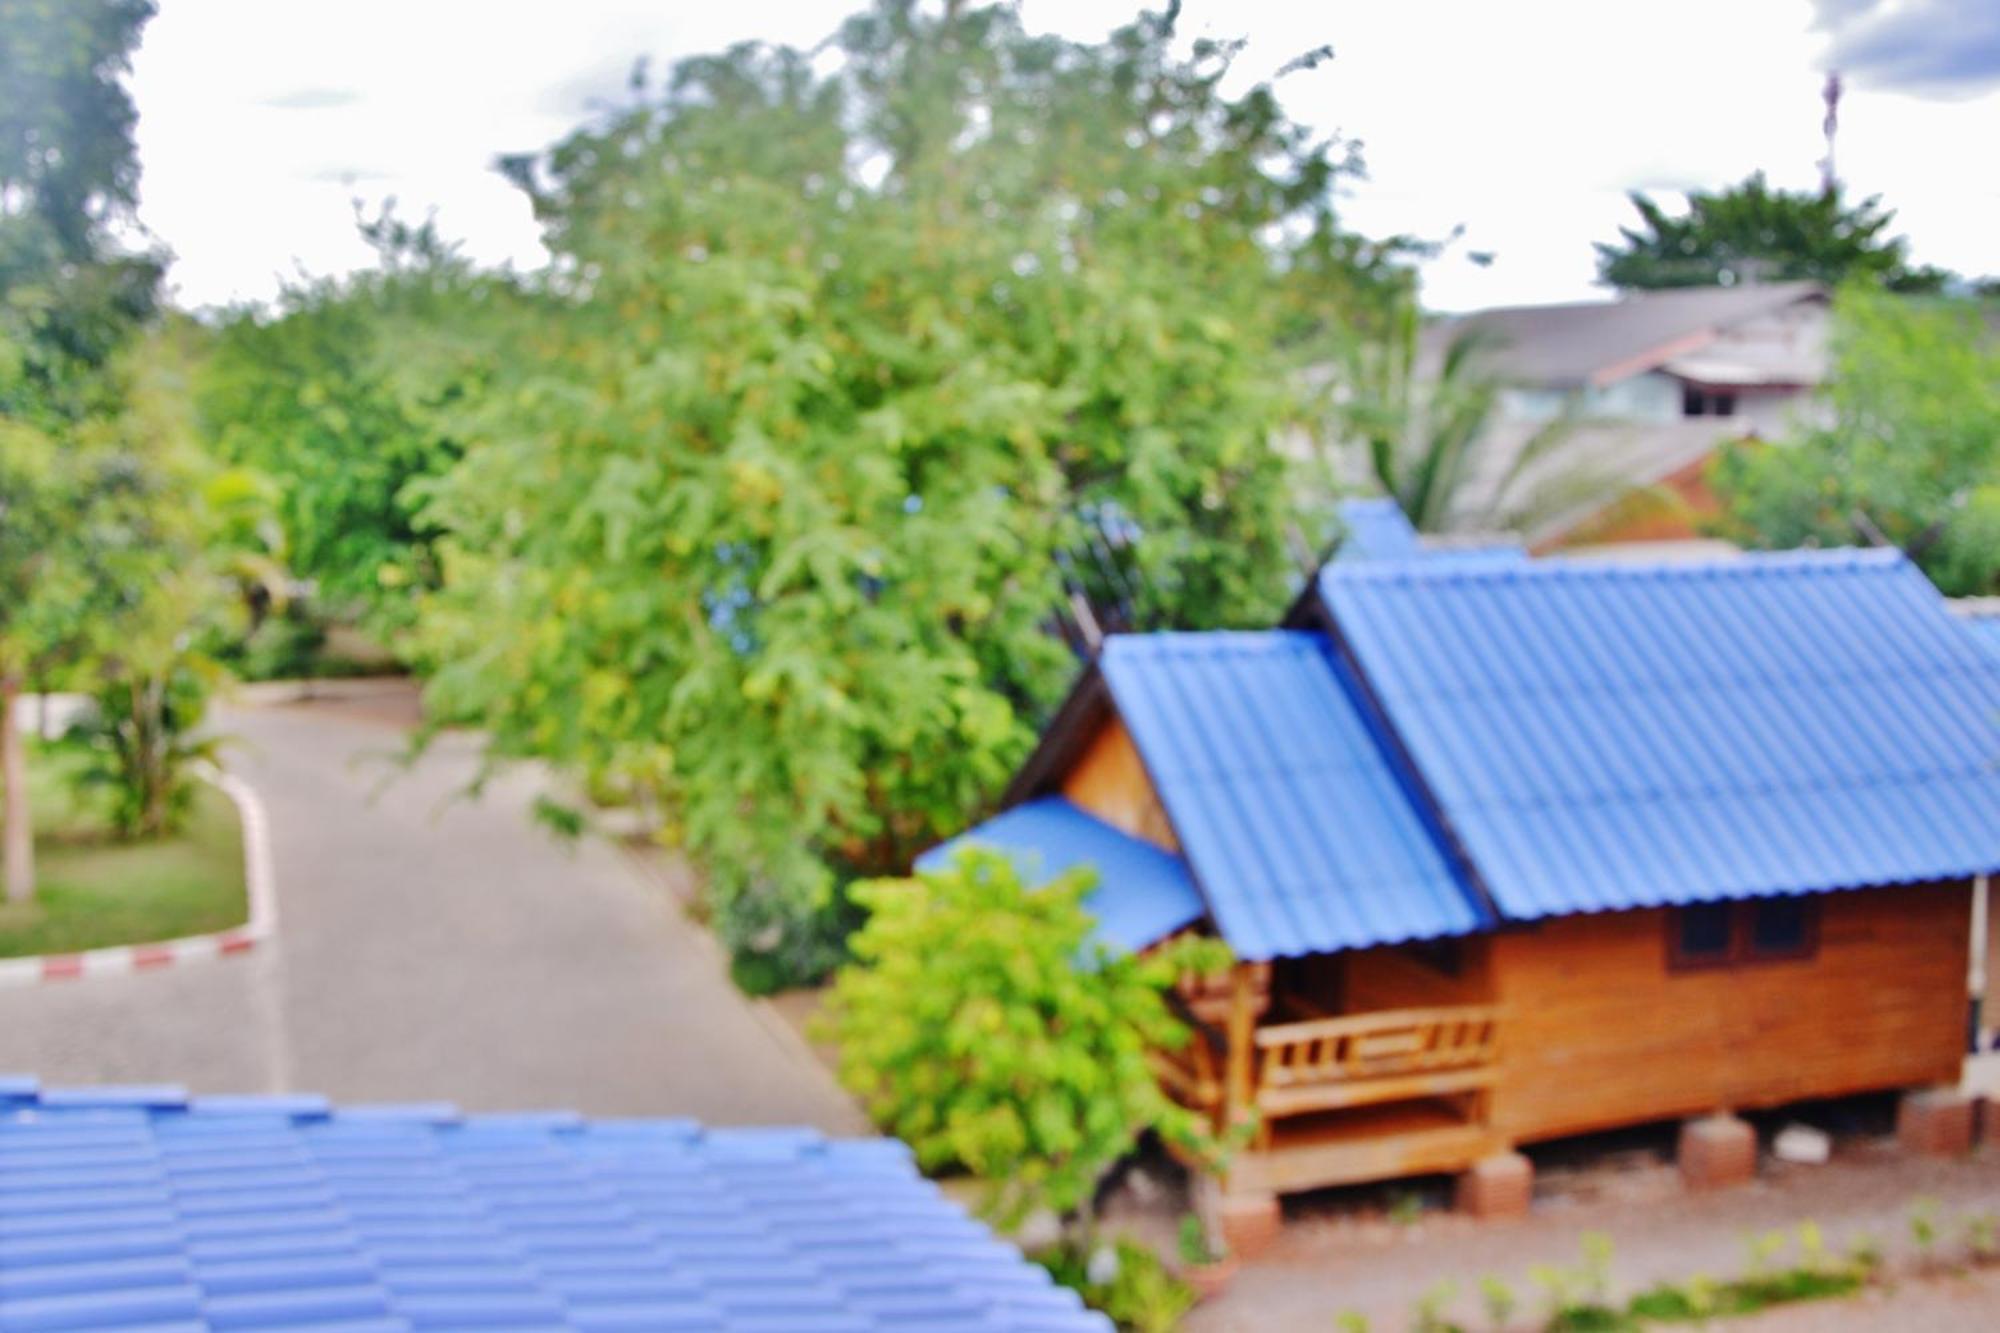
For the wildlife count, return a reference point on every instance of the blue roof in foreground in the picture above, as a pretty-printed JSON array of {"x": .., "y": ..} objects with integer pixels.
[
  {"x": 1606, "y": 735},
  {"x": 1143, "y": 894},
  {"x": 138, "y": 1208},
  {"x": 1985, "y": 631},
  {"x": 1288, "y": 807}
]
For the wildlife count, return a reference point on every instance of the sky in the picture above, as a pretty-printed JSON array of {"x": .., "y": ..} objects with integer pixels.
[{"x": 1517, "y": 127}]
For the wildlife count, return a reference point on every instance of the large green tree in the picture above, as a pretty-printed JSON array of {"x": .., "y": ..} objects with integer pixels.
[
  {"x": 339, "y": 399},
  {"x": 843, "y": 358},
  {"x": 70, "y": 298},
  {"x": 1752, "y": 233},
  {"x": 1909, "y": 454}
]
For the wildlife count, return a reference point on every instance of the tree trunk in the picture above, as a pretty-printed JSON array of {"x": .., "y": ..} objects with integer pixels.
[{"x": 17, "y": 830}]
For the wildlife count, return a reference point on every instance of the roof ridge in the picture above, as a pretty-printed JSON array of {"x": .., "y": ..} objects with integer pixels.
[
  {"x": 1748, "y": 564},
  {"x": 25, "y": 1094}
]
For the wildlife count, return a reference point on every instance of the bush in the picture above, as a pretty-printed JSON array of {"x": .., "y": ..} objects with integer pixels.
[
  {"x": 1134, "y": 1288},
  {"x": 776, "y": 942},
  {"x": 285, "y": 646},
  {"x": 142, "y": 738},
  {"x": 981, "y": 1024}
]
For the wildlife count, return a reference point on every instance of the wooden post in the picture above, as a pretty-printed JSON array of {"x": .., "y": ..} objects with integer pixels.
[
  {"x": 1237, "y": 1090},
  {"x": 1975, "y": 969}
]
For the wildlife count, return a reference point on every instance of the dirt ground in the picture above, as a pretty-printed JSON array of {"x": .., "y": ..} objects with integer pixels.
[{"x": 1342, "y": 1251}]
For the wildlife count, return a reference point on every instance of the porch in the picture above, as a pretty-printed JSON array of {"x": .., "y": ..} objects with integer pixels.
[{"x": 1340, "y": 1098}]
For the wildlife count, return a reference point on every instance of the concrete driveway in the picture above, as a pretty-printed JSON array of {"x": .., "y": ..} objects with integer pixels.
[{"x": 430, "y": 947}]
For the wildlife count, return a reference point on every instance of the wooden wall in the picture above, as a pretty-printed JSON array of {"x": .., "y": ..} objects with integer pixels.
[
  {"x": 1596, "y": 1031},
  {"x": 1110, "y": 781},
  {"x": 1393, "y": 979}
]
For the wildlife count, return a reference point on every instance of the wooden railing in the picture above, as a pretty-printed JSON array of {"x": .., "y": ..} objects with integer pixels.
[{"x": 1394, "y": 1055}]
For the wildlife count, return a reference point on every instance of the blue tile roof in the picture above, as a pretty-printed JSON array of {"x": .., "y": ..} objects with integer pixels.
[
  {"x": 1287, "y": 807},
  {"x": 1610, "y": 736},
  {"x": 1985, "y": 631},
  {"x": 1143, "y": 894},
  {"x": 143, "y": 1209}
]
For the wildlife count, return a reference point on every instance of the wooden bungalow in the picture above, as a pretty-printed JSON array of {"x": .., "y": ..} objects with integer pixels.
[{"x": 1516, "y": 849}]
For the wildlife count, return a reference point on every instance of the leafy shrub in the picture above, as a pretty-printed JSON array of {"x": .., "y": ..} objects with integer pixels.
[
  {"x": 1430, "y": 1316},
  {"x": 1982, "y": 1235},
  {"x": 1196, "y": 1248},
  {"x": 143, "y": 739},
  {"x": 980, "y": 1024},
  {"x": 1139, "y": 1294},
  {"x": 778, "y": 939},
  {"x": 284, "y": 646},
  {"x": 1924, "y": 1226},
  {"x": 1498, "y": 1299},
  {"x": 1592, "y": 1318}
]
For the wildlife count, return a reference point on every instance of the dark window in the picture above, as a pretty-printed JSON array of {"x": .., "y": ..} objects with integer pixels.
[
  {"x": 1760, "y": 930},
  {"x": 1781, "y": 928},
  {"x": 1444, "y": 956},
  {"x": 1697, "y": 402},
  {"x": 1702, "y": 934}
]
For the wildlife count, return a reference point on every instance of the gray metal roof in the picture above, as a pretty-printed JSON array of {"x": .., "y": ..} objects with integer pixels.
[{"x": 1565, "y": 346}]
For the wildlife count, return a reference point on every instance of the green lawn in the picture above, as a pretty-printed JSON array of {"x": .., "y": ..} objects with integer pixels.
[{"x": 93, "y": 890}]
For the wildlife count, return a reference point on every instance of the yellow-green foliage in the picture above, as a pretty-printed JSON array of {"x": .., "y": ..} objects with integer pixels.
[
  {"x": 979, "y": 1024},
  {"x": 840, "y": 362}
]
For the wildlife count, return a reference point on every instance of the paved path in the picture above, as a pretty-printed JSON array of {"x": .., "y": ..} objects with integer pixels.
[{"x": 432, "y": 948}]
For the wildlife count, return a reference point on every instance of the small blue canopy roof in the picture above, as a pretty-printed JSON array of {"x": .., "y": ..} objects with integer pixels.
[
  {"x": 1143, "y": 894},
  {"x": 145, "y": 1208}
]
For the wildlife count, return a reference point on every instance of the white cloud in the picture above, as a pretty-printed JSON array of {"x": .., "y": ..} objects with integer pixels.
[{"x": 1524, "y": 124}]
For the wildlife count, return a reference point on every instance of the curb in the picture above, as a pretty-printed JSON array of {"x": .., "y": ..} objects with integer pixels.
[{"x": 123, "y": 959}]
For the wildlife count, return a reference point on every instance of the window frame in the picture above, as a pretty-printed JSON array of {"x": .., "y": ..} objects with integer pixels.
[
  {"x": 1808, "y": 945},
  {"x": 1678, "y": 957},
  {"x": 1741, "y": 924}
]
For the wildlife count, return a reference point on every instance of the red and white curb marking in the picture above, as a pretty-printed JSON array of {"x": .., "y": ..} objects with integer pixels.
[{"x": 127, "y": 958}]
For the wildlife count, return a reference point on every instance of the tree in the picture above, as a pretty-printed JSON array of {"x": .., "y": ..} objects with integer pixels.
[
  {"x": 1909, "y": 457},
  {"x": 69, "y": 298},
  {"x": 338, "y": 399},
  {"x": 831, "y": 367},
  {"x": 1753, "y": 233},
  {"x": 159, "y": 597},
  {"x": 980, "y": 1024},
  {"x": 1419, "y": 422}
]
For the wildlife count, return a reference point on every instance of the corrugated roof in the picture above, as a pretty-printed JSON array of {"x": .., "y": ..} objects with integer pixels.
[
  {"x": 1143, "y": 894},
  {"x": 1287, "y": 808},
  {"x": 1376, "y": 530},
  {"x": 140, "y": 1208},
  {"x": 1610, "y": 736},
  {"x": 1569, "y": 345}
]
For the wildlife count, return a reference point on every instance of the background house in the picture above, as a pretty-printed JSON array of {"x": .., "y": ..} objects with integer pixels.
[{"x": 1653, "y": 382}]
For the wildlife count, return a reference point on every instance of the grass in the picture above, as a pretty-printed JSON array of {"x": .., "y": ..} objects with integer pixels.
[{"x": 93, "y": 890}]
